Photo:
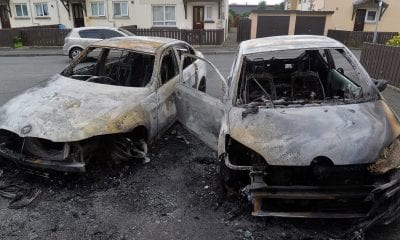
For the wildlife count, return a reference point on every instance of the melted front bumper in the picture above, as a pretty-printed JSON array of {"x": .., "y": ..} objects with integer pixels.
[
  {"x": 24, "y": 160},
  {"x": 377, "y": 201}
]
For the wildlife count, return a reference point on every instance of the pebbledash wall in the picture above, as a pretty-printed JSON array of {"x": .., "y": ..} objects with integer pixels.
[
  {"x": 140, "y": 13},
  {"x": 342, "y": 18}
]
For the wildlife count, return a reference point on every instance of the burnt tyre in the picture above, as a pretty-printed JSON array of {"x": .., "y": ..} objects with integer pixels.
[
  {"x": 126, "y": 149},
  {"x": 130, "y": 146}
]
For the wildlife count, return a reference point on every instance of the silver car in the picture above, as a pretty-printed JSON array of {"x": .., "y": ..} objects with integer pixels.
[{"x": 80, "y": 38}]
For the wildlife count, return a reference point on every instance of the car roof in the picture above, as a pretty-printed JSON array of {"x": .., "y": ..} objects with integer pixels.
[
  {"x": 95, "y": 27},
  {"x": 138, "y": 43},
  {"x": 280, "y": 43}
]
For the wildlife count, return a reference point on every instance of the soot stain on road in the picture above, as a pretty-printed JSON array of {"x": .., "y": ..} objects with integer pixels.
[{"x": 177, "y": 195}]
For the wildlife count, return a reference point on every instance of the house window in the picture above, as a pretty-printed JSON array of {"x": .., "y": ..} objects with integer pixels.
[
  {"x": 21, "y": 10},
  {"x": 42, "y": 9},
  {"x": 97, "y": 9},
  {"x": 208, "y": 13},
  {"x": 120, "y": 9},
  {"x": 164, "y": 15},
  {"x": 371, "y": 16}
]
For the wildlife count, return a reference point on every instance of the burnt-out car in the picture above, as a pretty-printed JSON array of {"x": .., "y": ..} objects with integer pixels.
[
  {"x": 302, "y": 131},
  {"x": 110, "y": 102}
]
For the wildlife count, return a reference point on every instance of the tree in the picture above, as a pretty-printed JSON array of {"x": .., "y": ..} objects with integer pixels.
[
  {"x": 281, "y": 6},
  {"x": 262, "y": 5}
]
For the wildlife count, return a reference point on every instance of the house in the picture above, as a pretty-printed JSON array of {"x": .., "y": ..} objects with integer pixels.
[
  {"x": 305, "y": 5},
  {"x": 361, "y": 15},
  {"x": 182, "y": 14},
  {"x": 354, "y": 15}
]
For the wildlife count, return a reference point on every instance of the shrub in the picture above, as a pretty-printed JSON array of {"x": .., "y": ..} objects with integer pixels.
[
  {"x": 395, "y": 41},
  {"x": 17, "y": 42}
]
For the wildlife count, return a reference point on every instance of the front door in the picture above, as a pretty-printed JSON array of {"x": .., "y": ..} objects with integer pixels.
[
  {"x": 5, "y": 21},
  {"x": 198, "y": 111},
  {"x": 77, "y": 14},
  {"x": 168, "y": 75},
  {"x": 198, "y": 17},
  {"x": 360, "y": 20}
]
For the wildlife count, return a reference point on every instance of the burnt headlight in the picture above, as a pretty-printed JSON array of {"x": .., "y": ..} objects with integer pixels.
[{"x": 389, "y": 159}]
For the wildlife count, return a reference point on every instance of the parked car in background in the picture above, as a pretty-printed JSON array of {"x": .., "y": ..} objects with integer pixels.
[
  {"x": 110, "y": 109},
  {"x": 80, "y": 38}
]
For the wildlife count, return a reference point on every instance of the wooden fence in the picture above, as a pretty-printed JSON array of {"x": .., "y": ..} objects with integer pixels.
[
  {"x": 357, "y": 38},
  {"x": 44, "y": 37},
  {"x": 382, "y": 62},
  {"x": 7, "y": 37},
  {"x": 195, "y": 37},
  {"x": 244, "y": 29},
  {"x": 33, "y": 36},
  {"x": 55, "y": 37}
]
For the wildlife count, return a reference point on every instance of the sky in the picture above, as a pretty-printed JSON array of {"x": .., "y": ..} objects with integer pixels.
[{"x": 269, "y": 2}]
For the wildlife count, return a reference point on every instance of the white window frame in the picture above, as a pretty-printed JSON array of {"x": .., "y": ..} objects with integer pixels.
[
  {"x": 376, "y": 16},
  {"x": 98, "y": 8},
  {"x": 41, "y": 4},
  {"x": 23, "y": 13},
  {"x": 206, "y": 13},
  {"x": 120, "y": 4},
  {"x": 164, "y": 21}
]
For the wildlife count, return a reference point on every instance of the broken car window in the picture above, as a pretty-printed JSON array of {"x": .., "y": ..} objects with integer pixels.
[
  {"x": 299, "y": 77},
  {"x": 113, "y": 67},
  {"x": 169, "y": 67}
]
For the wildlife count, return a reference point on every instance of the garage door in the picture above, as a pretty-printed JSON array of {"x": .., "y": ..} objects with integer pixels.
[
  {"x": 272, "y": 26},
  {"x": 310, "y": 25}
]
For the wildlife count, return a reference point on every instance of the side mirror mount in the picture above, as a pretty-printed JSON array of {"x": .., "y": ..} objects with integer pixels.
[{"x": 381, "y": 84}]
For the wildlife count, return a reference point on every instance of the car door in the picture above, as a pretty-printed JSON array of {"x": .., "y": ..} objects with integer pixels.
[
  {"x": 198, "y": 111},
  {"x": 168, "y": 74}
]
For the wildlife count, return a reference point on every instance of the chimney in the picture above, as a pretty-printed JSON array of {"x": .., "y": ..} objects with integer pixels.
[{"x": 293, "y": 4}]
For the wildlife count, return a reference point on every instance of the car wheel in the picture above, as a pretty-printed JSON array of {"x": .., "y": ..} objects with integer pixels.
[
  {"x": 202, "y": 85},
  {"x": 74, "y": 52}
]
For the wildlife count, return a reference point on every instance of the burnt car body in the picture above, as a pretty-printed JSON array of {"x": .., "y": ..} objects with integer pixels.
[
  {"x": 304, "y": 131},
  {"x": 110, "y": 102}
]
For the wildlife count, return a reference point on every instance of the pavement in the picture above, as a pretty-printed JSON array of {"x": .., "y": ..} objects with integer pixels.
[{"x": 30, "y": 51}]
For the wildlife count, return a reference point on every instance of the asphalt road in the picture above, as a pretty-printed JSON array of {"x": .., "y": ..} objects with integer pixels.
[{"x": 19, "y": 73}]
